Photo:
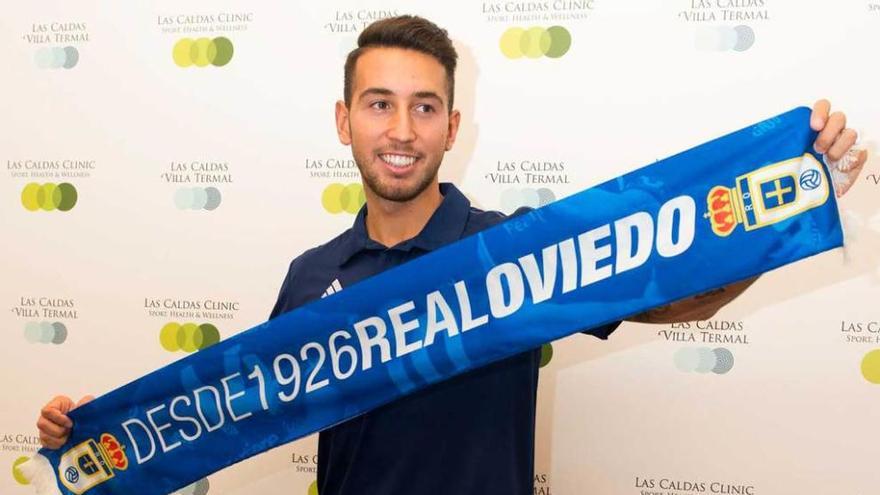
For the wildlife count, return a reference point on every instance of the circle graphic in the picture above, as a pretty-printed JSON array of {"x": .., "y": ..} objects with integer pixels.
[
  {"x": 168, "y": 337},
  {"x": 707, "y": 360},
  {"x": 188, "y": 337},
  {"x": 202, "y": 52},
  {"x": 723, "y": 361},
  {"x": 197, "y": 198},
  {"x": 686, "y": 359},
  {"x": 60, "y": 333},
  {"x": 49, "y": 196},
  {"x": 810, "y": 179},
  {"x": 56, "y": 57},
  {"x": 71, "y": 474},
  {"x": 213, "y": 198},
  {"x": 871, "y": 367},
  {"x": 71, "y": 57},
  {"x": 745, "y": 38},
  {"x": 338, "y": 198},
  {"x": 17, "y": 474},
  {"x": 546, "y": 354},
  {"x": 45, "y": 332},
  {"x": 535, "y": 42},
  {"x": 313, "y": 488},
  {"x": 200, "y": 198}
]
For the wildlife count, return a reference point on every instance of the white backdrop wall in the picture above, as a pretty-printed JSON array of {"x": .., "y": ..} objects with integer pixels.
[{"x": 192, "y": 184}]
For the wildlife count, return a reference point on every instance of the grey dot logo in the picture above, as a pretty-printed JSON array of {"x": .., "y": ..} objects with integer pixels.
[
  {"x": 200, "y": 487},
  {"x": 197, "y": 198},
  {"x": 725, "y": 38},
  {"x": 45, "y": 332},
  {"x": 515, "y": 197},
  {"x": 56, "y": 57},
  {"x": 703, "y": 360}
]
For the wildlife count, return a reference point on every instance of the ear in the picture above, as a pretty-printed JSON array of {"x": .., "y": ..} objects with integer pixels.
[
  {"x": 343, "y": 128},
  {"x": 454, "y": 120}
]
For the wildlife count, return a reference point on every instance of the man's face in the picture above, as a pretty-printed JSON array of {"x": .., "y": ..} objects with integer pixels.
[{"x": 398, "y": 125}]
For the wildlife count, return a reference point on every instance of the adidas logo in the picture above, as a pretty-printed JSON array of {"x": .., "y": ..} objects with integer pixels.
[{"x": 333, "y": 289}]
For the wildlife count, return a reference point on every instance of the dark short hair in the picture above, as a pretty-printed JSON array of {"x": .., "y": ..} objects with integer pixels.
[{"x": 409, "y": 32}]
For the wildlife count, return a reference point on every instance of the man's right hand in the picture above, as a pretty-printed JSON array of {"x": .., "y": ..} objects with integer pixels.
[{"x": 53, "y": 423}]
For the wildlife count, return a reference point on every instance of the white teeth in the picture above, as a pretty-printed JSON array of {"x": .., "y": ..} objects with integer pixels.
[{"x": 398, "y": 160}]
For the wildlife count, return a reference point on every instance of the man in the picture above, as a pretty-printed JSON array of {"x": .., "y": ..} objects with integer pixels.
[{"x": 473, "y": 434}]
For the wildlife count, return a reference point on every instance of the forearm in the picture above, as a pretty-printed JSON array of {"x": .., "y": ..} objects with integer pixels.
[{"x": 699, "y": 307}]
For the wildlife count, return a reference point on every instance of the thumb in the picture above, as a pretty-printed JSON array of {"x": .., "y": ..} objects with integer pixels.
[{"x": 85, "y": 400}]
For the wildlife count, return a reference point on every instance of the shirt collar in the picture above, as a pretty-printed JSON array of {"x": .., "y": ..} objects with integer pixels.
[{"x": 446, "y": 225}]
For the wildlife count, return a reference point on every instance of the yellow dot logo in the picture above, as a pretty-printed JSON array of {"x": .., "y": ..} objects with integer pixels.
[
  {"x": 17, "y": 474},
  {"x": 48, "y": 197},
  {"x": 871, "y": 367},
  {"x": 338, "y": 198},
  {"x": 313, "y": 488},
  {"x": 188, "y": 337},
  {"x": 535, "y": 42},
  {"x": 202, "y": 52}
]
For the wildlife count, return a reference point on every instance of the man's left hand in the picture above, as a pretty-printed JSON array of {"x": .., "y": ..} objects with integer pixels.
[{"x": 836, "y": 141}]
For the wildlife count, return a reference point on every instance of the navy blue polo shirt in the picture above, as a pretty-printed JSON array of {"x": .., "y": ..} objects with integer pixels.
[{"x": 472, "y": 434}]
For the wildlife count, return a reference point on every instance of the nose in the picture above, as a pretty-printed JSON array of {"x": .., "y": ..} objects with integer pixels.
[{"x": 401, "y": 126}]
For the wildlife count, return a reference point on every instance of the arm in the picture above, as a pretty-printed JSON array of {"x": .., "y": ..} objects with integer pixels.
[
  {"x": 699, "y": 307},
  {"x": 834, "y": 140}
]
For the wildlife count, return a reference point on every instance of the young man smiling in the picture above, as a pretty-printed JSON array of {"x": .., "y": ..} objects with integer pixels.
[{"x": 473, "y": 434}]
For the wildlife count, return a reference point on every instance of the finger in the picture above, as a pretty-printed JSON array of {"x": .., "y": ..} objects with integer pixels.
[
  {"x": 46, "y": 426},
  {"x": 845, "y": 140},
  {"x": 820, "y": 114},
  {"x": 56, "y": 416},
  {"x": 62, "y": 402},
  {"x": 844, "y": 180},
  {"x": 50, "y": 442},
  {"x": 85, "y": 400},
  {"x": 836, "y": 123}
]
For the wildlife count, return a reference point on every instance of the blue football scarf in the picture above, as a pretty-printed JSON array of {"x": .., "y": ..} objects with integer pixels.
[{"x": 724, "y": 211}]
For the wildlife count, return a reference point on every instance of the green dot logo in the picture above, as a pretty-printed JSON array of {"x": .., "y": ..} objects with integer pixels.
[
  {"x": 704, "y": 360},
  {"x": 200, "y": 487},
  {"x": 313, "y": 488},
  {"x": 535, "y": 42},
  {"x": 546, "y": 354},
  {"x": 45, "y": 333},
  {"x": 197, "y": 198},
  {"x": 17, "y": 474},
  {"x": 56, "y": 57},
  {"x": 188, "y": 337},
  {"x": 871, "y": 367},
  {"x": 202, "y": 52},
  {"x": 48, "y": 197},
  {"x": 514, "y": 198},
  {"x": 338, "y": 198}
]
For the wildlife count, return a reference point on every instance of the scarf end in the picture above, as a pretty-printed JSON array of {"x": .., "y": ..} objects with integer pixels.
[{"x": 39, "y": 472}]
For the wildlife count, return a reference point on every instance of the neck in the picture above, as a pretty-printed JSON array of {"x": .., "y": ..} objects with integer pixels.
[{"x": 389, "y": 222}]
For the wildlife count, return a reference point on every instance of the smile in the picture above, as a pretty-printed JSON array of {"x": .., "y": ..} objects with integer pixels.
[{"x": 398, "y": 161}]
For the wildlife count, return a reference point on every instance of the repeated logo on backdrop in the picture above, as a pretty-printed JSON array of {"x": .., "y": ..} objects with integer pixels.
[
  {"x": 48, "y": 196},
  {"x": 56, "y": 43},
  {"x": 198, "y": 182},
  {"x": 535, "y": 42},
  {"x": 202, "y": 52},
  {"x": 45, "y": 319},
  {"x": 719, "y": 23}
]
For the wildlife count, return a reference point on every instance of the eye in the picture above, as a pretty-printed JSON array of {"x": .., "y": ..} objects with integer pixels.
[
  {"x": 380, "y": 105},
  {"x": 424, "y": 108}
]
